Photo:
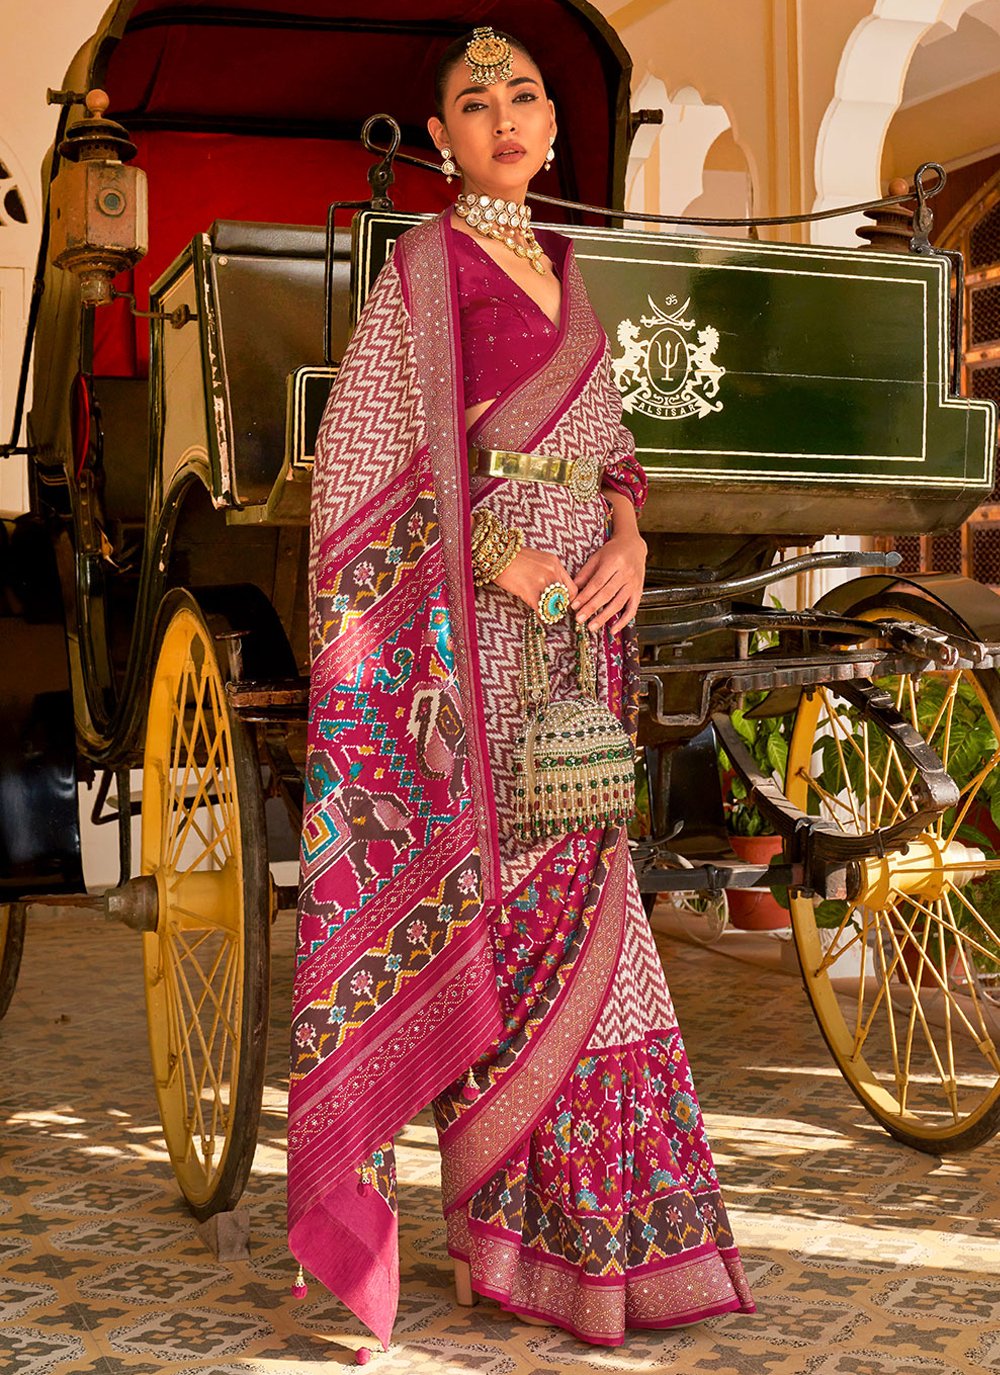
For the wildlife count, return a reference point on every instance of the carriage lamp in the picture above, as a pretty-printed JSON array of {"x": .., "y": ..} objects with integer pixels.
[{"x": 98, "y": 205}]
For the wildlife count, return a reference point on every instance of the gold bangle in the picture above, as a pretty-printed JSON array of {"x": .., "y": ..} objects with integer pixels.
[
  {"x": 494, "y": 546},
  {"x": 489, "y": 549},
  {"x": 498, "y": 553},
  {"x": 514, "y": 546},
  {"x": 485, "y": 516}
]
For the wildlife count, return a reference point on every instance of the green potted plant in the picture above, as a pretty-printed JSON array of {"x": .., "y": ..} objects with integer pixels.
[{"x": 766, "y": 740}]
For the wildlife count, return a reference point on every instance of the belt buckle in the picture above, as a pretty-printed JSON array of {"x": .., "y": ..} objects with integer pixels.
[{"x": 585, "y": 478}]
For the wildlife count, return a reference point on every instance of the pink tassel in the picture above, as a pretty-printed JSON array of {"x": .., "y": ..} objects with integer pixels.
[
  {"x": 299, "y": 1288},
  {"x": 471, "y": 1090},
  {"x": 362, "y": 1355}
]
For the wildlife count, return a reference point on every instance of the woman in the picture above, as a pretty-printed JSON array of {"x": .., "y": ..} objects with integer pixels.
[{"x": 444, "y": 954}]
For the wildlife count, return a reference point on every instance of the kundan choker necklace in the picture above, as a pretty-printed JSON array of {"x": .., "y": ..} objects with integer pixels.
[{"x": 495, "y": 218}]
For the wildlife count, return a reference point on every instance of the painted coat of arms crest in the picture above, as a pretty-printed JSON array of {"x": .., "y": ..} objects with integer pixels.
[{"x": 667, "y": 367}]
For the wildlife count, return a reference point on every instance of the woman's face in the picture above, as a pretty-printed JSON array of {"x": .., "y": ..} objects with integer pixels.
[{"x": 498, "y": 134}]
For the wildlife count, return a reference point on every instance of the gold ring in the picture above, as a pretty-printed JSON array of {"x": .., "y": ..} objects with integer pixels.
[{"x": 553, "y": 603}]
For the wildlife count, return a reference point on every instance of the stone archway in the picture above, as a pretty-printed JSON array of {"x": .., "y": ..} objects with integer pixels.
[{"x": 867, "y": 93}]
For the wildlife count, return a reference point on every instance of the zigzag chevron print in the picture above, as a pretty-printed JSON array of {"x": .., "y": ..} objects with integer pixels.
[
  {"x": 378, "y": 408},
  {"x": 639, "y": 1001},
  {"x": 554, "y": 521}
]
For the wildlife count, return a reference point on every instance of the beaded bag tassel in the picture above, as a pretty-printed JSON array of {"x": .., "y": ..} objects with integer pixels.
[
  {"x": 574, "y": 766},
  {"x": 471, "y": 1090}
]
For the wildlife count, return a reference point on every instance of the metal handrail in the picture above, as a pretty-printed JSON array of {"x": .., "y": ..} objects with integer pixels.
[
  {"x": 380, "y": 178},
  {"x": 922, "y": 194}
]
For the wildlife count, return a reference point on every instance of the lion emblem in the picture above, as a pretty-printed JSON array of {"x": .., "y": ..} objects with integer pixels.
[{"x": 666, "y": 366}]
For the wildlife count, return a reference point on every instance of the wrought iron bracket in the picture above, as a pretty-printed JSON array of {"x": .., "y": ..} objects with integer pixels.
[
  {"x": 819, "y": 845},
  {"x": 923, "y": 216},
  {"x": 712, "y": 878},
  {"x": 944, "y": 649},
  {"x": 177, "y": 319},
  {"x": 751, "y": 222},
  {"x": 381, "y": 174}
]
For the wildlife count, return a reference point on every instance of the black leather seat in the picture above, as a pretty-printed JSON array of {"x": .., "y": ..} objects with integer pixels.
[{"x": 269, "y": 289}]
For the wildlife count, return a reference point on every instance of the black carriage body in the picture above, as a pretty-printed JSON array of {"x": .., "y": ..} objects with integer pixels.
[{"x": 154, "y": 447}]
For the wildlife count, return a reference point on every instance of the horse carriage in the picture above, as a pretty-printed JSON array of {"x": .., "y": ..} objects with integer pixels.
[{"x": 153, "y": 600}]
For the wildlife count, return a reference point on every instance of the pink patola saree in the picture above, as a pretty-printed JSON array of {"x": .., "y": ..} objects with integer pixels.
[{"x": 577, "y": 1179}]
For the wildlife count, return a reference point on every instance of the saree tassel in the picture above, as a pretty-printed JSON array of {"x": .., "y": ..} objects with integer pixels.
[
  {"x": 364, "y": 1182},
  {"x": 471, "y": 1090},
  {"x": 300, "y": 1288},
  {"x": 362, "y": 1355}
]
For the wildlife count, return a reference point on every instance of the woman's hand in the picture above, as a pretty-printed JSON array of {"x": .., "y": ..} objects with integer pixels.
[
  {"x": 610, "y": 582},
  {"x": 529, "y": 574}
]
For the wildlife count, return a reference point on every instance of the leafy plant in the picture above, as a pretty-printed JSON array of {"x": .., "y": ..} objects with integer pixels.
[{"x": 766, "y": 739}]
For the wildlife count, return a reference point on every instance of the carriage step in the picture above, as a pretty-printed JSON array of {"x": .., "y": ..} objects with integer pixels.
[{"x": 286, "y": 699}]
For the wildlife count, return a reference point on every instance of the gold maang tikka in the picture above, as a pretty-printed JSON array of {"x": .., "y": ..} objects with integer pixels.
[{"x": 489, "y": 57}]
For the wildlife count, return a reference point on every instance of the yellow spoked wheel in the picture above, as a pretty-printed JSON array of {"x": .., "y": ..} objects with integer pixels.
[
  {"x": 206, "y": 964},
  {"x": 905, "y": 978},
  {"x": 11, "y": 945}
]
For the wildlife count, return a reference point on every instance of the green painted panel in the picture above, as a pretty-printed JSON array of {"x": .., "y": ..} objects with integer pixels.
[{"x": 774, "y": 364}]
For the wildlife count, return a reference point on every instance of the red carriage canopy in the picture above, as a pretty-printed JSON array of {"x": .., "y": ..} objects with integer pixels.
[{"x": 253, "y": 109}]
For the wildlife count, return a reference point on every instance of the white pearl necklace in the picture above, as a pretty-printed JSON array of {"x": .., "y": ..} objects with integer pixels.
[{"x": 498, "y": 219}]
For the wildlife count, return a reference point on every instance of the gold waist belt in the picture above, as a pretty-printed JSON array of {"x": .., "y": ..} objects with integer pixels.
[{"x": 581, "y": 475}]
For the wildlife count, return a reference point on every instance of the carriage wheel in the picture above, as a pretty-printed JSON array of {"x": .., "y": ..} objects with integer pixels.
[
  {"x": 11, "y": 945},
  {"x": 905, "y": 979},
  {"x": 206, "y": 964}
]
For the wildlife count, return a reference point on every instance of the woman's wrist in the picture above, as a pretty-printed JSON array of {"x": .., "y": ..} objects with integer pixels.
[{"x": 624, "y": 519}]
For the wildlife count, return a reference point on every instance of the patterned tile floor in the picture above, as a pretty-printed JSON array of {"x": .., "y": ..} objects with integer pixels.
[{"x": 867, "y": 1258}]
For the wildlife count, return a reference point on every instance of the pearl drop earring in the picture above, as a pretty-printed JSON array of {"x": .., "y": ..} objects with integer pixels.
[
  {"x": 550, "y": 156},
  {"x": 448, "y": 166}
]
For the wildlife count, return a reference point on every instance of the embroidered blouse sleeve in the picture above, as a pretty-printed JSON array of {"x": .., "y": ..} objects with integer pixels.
[{"x": 622, "y": 470}]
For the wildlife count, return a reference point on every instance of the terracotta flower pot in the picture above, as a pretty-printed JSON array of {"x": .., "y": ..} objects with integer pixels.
[
  {"x": 755, "y": 909},
  {"x": 912, "y": 957}
]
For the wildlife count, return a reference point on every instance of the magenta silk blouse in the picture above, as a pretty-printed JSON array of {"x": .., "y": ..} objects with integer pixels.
[
  {"x": 494, "y": 310},
  {"x": 505, "y": 334}
]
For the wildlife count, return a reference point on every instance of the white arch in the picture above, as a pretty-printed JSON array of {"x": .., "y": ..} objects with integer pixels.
[
  {"x": 868, "y": 91},
  {"x": 679, "y": 146},
  {"x": 651, "y": 94},
  {"x": 26, "y": 187}
]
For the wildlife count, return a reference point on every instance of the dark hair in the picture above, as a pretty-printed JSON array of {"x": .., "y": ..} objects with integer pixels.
[{"x": 455, "y": 52}]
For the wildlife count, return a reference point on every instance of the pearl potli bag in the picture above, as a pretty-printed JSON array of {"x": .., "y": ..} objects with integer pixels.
[{"x": 575, "y": 762}]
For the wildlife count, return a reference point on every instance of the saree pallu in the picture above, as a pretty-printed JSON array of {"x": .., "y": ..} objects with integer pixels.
[{"x": 577, "y": 1180}]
